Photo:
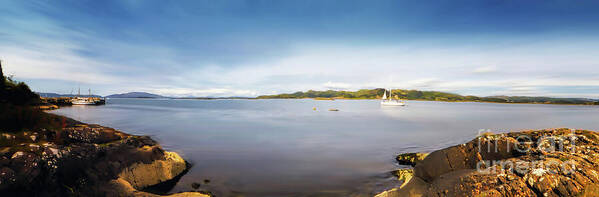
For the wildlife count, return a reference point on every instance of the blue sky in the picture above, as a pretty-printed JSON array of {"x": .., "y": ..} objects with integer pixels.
[{"x": 249, "y": 48}]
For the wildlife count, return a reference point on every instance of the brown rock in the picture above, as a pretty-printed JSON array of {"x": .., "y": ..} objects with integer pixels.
[
  {"x": 121, "y": 187},
  {"x": 141, "y": 175},
  {"x": 404, "y": 175},
  {"x": 83, "y": 160},
  {"x": 494, "y": 165},
  {"x": 416, "y": 187},
  {"x": 410, "y": 158}
]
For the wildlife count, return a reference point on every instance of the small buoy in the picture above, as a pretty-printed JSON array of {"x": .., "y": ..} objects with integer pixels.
[{"x": 314, "y": 109}]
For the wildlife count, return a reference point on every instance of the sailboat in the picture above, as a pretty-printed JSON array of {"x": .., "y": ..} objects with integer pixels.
[{"x": 389, "y": 101}]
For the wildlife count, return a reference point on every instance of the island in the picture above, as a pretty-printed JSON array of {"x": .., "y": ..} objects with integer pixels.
[{"x": 427, "y": 96}]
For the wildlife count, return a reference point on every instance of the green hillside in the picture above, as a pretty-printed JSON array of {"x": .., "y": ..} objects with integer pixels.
[{"x": 428, "y": 96}]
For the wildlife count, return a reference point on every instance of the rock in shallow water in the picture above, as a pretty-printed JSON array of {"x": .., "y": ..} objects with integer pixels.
[
  {"x": 195, "y": 185},
  {"x": 410, "y": 158}
]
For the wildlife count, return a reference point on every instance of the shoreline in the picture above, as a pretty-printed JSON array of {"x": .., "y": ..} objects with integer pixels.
[
  {"x": 403, "y": 175},
  {"x": 333, "y": 99},
  {"x": 503, "y": 165},
  {"x": 86, "y": 160}
]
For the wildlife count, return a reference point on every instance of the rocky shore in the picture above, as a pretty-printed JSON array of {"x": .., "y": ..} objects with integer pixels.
[
  {"x": 84, "y": 160},
  {"x": 552, "y": 162}
]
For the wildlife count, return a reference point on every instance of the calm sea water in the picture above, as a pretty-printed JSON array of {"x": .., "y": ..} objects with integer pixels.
[{"x": 286, "y": 148}]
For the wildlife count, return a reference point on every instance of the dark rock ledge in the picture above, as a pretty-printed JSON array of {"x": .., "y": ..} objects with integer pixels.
[
  {"x": 84, "y": 160},
  {"x": 552, "y": 162}
]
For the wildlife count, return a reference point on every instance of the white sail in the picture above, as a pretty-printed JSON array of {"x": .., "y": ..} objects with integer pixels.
[{"x": 390, "y": 101}]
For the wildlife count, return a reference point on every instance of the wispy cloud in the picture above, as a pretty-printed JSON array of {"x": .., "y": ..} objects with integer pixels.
[
  {"x": 214, "y": 92},
  {"x": 485, "y": 69},
  {"x": 336, "y": 86}
]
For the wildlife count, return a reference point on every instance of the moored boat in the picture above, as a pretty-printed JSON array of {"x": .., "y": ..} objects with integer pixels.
[
  {"x": 83, "y": 101},
  {"x": 87, "y": 100}
]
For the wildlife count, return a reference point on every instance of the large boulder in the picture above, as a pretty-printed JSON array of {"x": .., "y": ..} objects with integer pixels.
[
  {"x": 141, "y": 175},
  {"x": 553, "y": 162},
  {"x": 443, "y": 161}
]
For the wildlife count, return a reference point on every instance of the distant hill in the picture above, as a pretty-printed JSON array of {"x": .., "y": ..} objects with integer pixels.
[
  {"x": 428, "y": 96},
  {"x": 135, "y": 95},
  {"x": 54, "y": 95},
  {"x": 214, "y": 98}
]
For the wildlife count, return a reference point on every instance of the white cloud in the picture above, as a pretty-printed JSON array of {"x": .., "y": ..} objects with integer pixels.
[
  {"x": 213, "y": 92},
  {"x": 422, "y": 83},
  {"x": 485, "y": 69},
  {"x": 336, "y": 86},
  {"x": 56, "y": 63}
]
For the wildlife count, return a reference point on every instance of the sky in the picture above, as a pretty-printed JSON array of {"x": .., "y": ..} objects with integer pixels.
[{"x": 250, "y": 48}]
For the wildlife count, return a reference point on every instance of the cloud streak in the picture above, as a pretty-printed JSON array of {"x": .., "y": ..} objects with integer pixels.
[{"x": 485, "y": 69}]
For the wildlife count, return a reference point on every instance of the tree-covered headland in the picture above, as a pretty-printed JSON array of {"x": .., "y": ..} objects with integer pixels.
[{"x": 427, "y": 96}]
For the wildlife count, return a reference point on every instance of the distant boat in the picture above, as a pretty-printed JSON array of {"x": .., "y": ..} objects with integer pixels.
[
  {"x": 389, "y": 101},
  {"x": 87, "y": 100},
  {"x": 83, "y": 101}
]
